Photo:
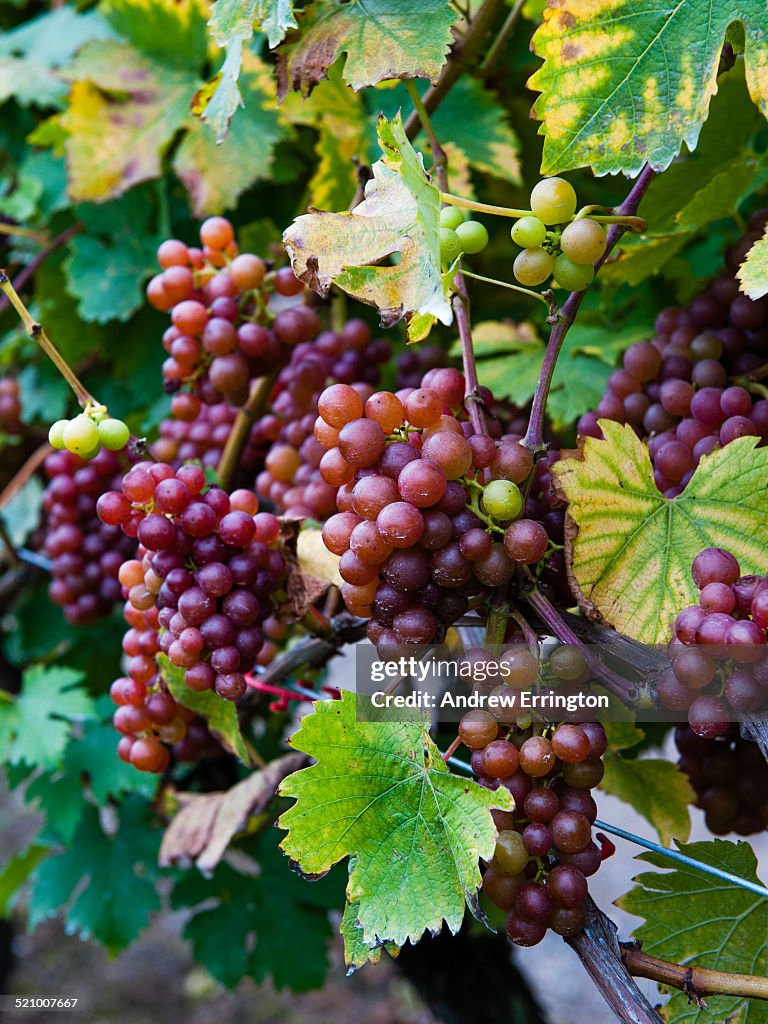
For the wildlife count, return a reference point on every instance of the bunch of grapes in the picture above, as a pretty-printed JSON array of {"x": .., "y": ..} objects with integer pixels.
[
  {"x": 730, "y": 777},
  {"x": 201, "y": 439},
  {"x": 291, "y": 479},
  {"x": 231, "y": 321},
  {"x": 688, "y": 389},
  {"x": 10, "y": 406},
  {"x": 544, "y": 850},
  {"x": 88, "y": 433},
  {"x": 553, "y": 243},
  {"x": 415, "y": 361},
  {"x": 430, "y": 513},
  {"x": 719, "y": 653},
  {"x": 85, "y": 554},
  {"x": 207, "y": 563}
]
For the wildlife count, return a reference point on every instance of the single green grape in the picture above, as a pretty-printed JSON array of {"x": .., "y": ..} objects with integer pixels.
[
  {"x": 113, "y": 434},
  {"x": 91, "y": 453},
  {"x": 510, "y": 856},
  {"x": 574, "y": 277},
  {"x": 81, "y": 435},
  {"x": 502, "y": 499},
  {"x": 472, "y": 236},
  {"x": 529, "y": 232},
  {"x": 451, "y": 217},
  {"x": 450, "y": 246},
  {"x": 553, "y": 200},
  {"x": 583, "y": 241},
  {"x": 56, "y": 434},
  {"x": 533, "y": 266}
]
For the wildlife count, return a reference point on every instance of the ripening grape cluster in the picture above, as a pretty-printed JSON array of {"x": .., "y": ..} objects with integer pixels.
[
  {"x": 730, "y": 777},
  {"x": 85, "y": 553},
  {"x": 419, "y": 528},
  {"x": 207, "y": 563},
  {"x": 553, "y": 243},
  {"x": 227, "y": 324},
  {"x": 291, "y": 478},
  {"x": 544, "y": 850},
  {"x": 10, "y": 406},
  {"x": 719, "y": 655},
  {"x": 88, "y": 433},
  {"x": 686, "y": 389}
]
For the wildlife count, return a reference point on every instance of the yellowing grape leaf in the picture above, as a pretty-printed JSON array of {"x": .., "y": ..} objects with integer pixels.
[
  {"x": 692, "y": 918},
  {"x": 625, "y": 82},
  {"x": 399, "y": 215},
  {"x": 380, "y": 793},
  {"x": 629, "y": 549},
  {"x": 753, "y": 272},
  {"x": 656, "y": 788},
  {"x": 381, "y": 38},
  {"x": 150, "y": 24},
  {"x": 357, "y": 953}
]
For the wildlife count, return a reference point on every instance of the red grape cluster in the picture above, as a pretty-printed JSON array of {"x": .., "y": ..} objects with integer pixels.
[
  {"x": 207, "y": 563},
  {"x": 291, "y": 479},
  {"x": 10, "y": 406},
  {"x": 684, "y": 389},
  {"x": 429, "y": 511},
  {"x": 201, "y": 439},
  {"x": 544, "y": 850},
  {"x": 730, "y": 777},
  {"x": 719, "y": 653},
  {"x": 85, "y": 553},
  {"x": 231, "y": 321}
]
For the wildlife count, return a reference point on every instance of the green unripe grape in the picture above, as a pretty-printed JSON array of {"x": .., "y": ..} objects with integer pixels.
[
  {"x": 56, "y": 434},
  {"x": 523, "y": 721},
  {"x": 553, "y": 200},
  {"x": 574, "y": 277},
  {"x": 533, "y": 266},
  {"x": 81, "y": 435},
  {"x": 113, "y": 434},
  {"x": 583, "y": 241},
  {"x": 502, "y": 499},
  {"x": 451, "y": 217},
  {"x": 90, "y": 454},
  {"x": 472, "y": 236},
  {"x": 529, "y": 233},
  {"x": 510, "y": 855},
  {"x": 450, "y": 246}
]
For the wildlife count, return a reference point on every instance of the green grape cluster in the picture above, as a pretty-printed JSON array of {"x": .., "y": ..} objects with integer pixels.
[
  {"x": 88, "y": 432},
  {"x": 553, "y": 243},
  {"x": 459, "y": 236}
]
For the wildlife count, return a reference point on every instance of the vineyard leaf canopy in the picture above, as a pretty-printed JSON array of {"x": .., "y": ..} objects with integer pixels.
[
  {"x": 382, "y": 39},
  {"x": 753, "y": 272},
  {"x": 691, "y": 917},
  {"x": 400, "y": 214},
  {"x": 656, "y": 788},
  {"x": 625, "y": 82},
  {"x": 631, "y": 557},
  {"x": 380, "y": 792}
]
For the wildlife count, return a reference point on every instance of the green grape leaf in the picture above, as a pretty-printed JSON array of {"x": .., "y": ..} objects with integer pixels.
[
  {"x": 657, "y": 790},
  {"x": 629, "y": 549},
  {"x": 106, "y": 267},
  {"x": 15, "y": 872},
  {"x": 112, "y": 877},
  {"x": 150, "y": 25},
  {"x": 32, "y": 54},
  {"x": 357, "y": 953},
  {"x": 252, "y": 928},
  {"x": 91, "y": 757},
  {"x": 234, "y": 19},
  {"x": 35, "y": 726},
  {"x": 400, "y": 214},
  {"x": 60, "y": 797},
  {"x": 381, "y": 38},
  {"x": 381, "y": 793},
  {"x": 214, "y": 179},
  {"x": 629, "y": 82},
  {"x": 55, "y": 307},
  {"x": 220, "y": 714},
  {"x": 692, "y": 918},
  {"x": 21, "y": 514},
  {"x": 753, "y": 272},
  {"x": 510, "y": 356}
]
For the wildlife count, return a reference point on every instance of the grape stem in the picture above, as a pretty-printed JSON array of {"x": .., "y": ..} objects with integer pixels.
[
  {"x": 505, "y": 32},
  {"x": 14, "y": 229},
  {"x": 506, "y": 284},
  {"x": 37, "y": 333},
  {"x": 695, "y": 982},
  {"x": 464, "y": 58},
  {"x": 438, "y": 153},
  {"x": 494, "y": 211},
  {"x": 562, "y": 320},
  {"x": 257, "y": 401}
]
